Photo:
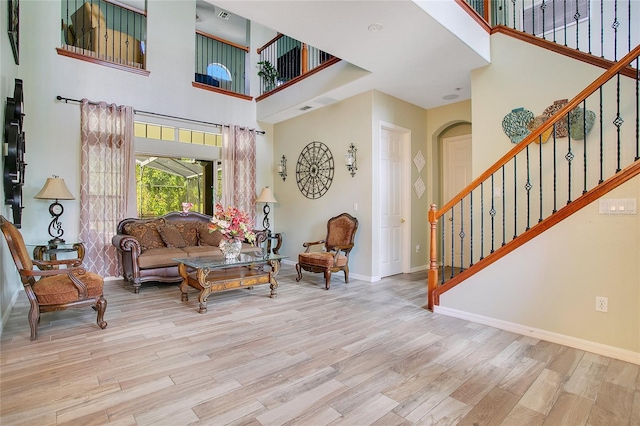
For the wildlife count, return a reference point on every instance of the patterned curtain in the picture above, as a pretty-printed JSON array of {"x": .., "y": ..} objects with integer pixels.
[
  {"x": 245, "y": 170},
  {"x": 239, "y": 168},
  {"x": 228, "y": 160},
  {"x": 107, "y": 189}
]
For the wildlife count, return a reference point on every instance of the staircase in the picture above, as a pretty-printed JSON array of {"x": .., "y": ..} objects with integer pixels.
[{"x": 580, "y": 150}]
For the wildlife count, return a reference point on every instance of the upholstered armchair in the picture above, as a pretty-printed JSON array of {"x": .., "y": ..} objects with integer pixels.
[
  {"x": 341, "y": 231},
  {"x": 50, "y": 287}
]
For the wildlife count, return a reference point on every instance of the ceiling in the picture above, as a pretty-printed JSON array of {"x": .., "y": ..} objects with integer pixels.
[{"x": 412, "y": 55}]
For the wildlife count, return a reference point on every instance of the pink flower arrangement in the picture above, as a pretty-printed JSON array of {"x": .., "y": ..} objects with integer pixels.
[{"x": 232, "y": 223}]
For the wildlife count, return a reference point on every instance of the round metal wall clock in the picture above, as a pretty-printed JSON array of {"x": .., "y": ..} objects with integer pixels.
[{"x": 314, "y": 171}]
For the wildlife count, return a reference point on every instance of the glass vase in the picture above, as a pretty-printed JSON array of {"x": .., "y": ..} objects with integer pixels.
[{"x": 230, "y": 248}]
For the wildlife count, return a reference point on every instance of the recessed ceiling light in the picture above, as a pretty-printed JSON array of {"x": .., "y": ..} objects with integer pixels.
[
  {"x": 450, "y": 97},
  {"x": 375, "y": 27}
]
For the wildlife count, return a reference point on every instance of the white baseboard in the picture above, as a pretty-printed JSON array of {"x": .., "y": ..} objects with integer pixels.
[
  {"x": 585, "y": 345},
  {"x": 418, "y": 268},
  {"x": 7, "y": 312}
]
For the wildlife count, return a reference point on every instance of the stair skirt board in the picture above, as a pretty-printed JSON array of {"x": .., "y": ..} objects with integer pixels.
[{"x": 549, "y": 336}]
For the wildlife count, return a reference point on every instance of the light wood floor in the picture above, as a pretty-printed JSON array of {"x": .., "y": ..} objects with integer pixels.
[{"x": 358, "y": 354}]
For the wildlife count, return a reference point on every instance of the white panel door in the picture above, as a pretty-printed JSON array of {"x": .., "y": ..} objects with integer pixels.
[
  {"x": 391, "y": 171},
  {"x": 457, "y": 175}
]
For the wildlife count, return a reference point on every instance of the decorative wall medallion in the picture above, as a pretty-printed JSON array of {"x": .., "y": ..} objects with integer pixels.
[
  {"x": 314, "y": 171},
  {"x": 561, "y": 126},
  {"x": 14, "y": 165},
  {"x": 537, "y": 122},
  {"x": 516, "y": 124},
  {"x": 580, "y": 122}
]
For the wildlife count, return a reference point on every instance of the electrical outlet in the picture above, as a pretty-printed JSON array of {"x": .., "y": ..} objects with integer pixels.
[
  {"x": 417, "y": 248},
  {"x": 602, "y": 304}
]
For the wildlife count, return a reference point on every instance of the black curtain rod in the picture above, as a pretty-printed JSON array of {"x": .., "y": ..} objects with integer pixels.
[{"x": 66, "y": 100}]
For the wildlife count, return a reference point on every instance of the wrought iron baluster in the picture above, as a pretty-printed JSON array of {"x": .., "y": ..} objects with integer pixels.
[
  {"x": 540, "y": 176},
  {"x": 513, "y": 8},
  {"x": 482, "y": 220},
  {"x": 543, "y": 6},
  {"x": 637, "y": 109},
  {"x": 554, "y": 20},
  {"x": 527, "y": 187},
  {"x": 565, "y": 23},
  {"x": 615, "y": 26},
  {"x": 462, "y": 234},
  {"x": 576, "y": 16},
  {"x": 504, "y": 210},
  {"x": 602, "y": 28},
  {"x": 555, "y": 171},
  {"x": 601, "y": 141},
  {"x": 492, "y": 213},
  {"x": 618, "y": 123},
  {"x": 569, "y": 157},
  {"x": 471, "y": 230},
  {"x": 443, "y": 225},
  {"x": 589, "y": 31},
  {"x": 515, "y": 196},
  {"x": 584, "y": 144},
  {"x": 453, "y": 220}
]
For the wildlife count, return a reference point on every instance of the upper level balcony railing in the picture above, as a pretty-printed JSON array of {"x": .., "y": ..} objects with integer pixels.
[
  {"x": 605, "y": 28},
  {"x": 221, "y": 65},
  {"x": 284, "y": 59},
  {"x": 105, "y": 31}
]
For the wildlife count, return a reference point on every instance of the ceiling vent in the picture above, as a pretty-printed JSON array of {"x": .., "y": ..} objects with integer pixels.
[
  {"x": 306, "y": 107},
  {"x": 224, "y": 15}
]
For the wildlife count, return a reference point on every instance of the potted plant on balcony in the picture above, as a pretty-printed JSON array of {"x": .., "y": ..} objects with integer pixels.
[{"x": 269, "y": 75}]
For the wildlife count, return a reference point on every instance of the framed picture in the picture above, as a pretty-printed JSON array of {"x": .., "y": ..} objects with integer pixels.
[{"x": 14, "y": 28}]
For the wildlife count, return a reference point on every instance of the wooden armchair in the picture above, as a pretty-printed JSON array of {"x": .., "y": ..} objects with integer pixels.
[
  {"x": 49, "y": 288},
  {"x": 341, "y": 230}
]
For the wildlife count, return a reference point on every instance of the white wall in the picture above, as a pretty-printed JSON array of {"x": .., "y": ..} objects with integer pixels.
[{"x": 301, "y": 219}]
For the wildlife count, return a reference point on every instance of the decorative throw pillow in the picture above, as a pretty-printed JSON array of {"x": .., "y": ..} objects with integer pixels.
[
  {"x": 189, "y": 231},
  {"x": 206, "y": 238},
  {"x": 146, "y": 233},
  {"x": 171, "y": 236}
]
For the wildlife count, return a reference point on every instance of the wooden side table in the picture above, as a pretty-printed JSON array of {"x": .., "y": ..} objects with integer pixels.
[
  {"x": 51, "y": 251},
  {"x": 277, "y": 237}
]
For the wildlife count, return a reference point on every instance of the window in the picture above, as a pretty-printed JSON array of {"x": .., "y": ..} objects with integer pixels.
[
  {"x": 219, "y": 71},
  {"x": 169, "y": 173},
  {"x": 164, "y": 183}
]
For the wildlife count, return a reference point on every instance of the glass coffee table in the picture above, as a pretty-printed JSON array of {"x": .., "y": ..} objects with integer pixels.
[{"x": 211, "y": 274}]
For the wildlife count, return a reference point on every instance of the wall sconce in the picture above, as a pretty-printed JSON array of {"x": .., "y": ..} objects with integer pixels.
[
  {"x": 55, "y": 189},
  {"x": 351, "y": 160},
  {"x": 282, "y": 168}
]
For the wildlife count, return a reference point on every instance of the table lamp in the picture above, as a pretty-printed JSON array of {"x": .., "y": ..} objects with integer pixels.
[
  {"x": 266, "y": 197},
  {"x": 55, "y": 189}
]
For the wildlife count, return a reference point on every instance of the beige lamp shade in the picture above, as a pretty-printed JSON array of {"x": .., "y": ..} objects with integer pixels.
[
  {"x": 54, "y": 189},
  {"x": 266, "y": 196}
]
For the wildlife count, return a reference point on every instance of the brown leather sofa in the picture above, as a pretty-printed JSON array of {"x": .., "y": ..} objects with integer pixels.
[{"x": 146, "y": 247}]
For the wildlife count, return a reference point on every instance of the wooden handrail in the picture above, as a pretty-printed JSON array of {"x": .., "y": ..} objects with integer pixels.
[
  {"x": 269, "y": 43},
  {"x": 221, "y": 40},
  {"x": 534, "y": 135}
]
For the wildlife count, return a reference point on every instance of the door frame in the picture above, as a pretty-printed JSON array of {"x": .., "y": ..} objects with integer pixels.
[{"x": 405, "y": 196}]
